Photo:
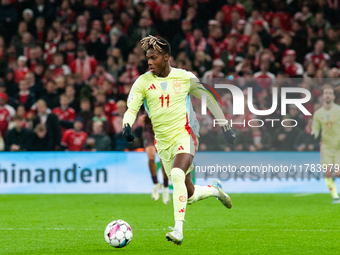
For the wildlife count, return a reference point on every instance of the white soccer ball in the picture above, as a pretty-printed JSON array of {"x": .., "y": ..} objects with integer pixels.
[{"x": 118, "y": 233}]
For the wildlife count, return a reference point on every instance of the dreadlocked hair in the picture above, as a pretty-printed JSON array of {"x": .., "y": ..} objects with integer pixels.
[{"x": 157, "y": 43}]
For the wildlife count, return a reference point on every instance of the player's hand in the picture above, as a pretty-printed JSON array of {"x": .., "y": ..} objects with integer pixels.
[
  {"x": 228, "y": 134},
  {"x": 127, "y": 133}
]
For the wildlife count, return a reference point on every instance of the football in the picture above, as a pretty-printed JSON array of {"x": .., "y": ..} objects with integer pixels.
[{"x": 118, "y": 233}]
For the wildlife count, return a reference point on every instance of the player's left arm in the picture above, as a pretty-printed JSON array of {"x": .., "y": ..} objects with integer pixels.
[
  {"x": 198, "y": 90},
  {"x": 135, "y": 101}
]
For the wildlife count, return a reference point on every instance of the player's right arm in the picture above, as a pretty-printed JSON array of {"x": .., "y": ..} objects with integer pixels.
[
  {"x": 135, "y": 100},
  {"x": 316, "y": 126}
]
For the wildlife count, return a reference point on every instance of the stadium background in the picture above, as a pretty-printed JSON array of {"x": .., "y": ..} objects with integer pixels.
[
  {"x": 82, "y": 57},
  {"x": 40, "y": 43}
]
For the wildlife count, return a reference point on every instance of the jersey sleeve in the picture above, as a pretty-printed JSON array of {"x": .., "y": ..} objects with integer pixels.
[
  {"x": 198, "y": 90},
  {"x": 135, "y": 100},
  {"x": 316, "y": 126}
]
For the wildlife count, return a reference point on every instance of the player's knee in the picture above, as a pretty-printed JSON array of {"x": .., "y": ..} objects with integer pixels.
[
  {"x": 177, "y": 175},
  {"x": 151, "y": 160}
]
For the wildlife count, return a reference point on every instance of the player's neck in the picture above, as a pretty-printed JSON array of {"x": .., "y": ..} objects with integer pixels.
[
  {"x": 166, "y": 71},
  {"x": 328, "y": 106}
]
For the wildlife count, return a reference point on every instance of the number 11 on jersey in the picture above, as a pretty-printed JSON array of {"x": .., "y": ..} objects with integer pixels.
[{"x": 167, "y": 98}]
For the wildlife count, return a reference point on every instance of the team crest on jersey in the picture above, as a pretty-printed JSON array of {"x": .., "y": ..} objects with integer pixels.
[
  {"x": 164, "y": 85},
  {"x": 177, "y": 86}
]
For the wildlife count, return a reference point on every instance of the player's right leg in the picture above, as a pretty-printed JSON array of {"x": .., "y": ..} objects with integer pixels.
[
  {"x": 328, "y": 158},
  {"x": 151, "y": 152},
  {"x": 203, "y": 192}
]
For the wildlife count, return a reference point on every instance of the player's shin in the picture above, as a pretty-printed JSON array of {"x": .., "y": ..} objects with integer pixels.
[
  {"x": 202, "y": 192},
  {"x": 179, "y": 196},
  {"x": 332, "y": 187}
]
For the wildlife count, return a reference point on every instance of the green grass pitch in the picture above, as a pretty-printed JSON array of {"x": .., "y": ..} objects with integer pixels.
[{"x": 257, "y": 224}]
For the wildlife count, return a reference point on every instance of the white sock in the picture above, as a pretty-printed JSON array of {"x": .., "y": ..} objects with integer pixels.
[
  {"x": 215, "y": 192},
  {"x": 179, "y": 225}
]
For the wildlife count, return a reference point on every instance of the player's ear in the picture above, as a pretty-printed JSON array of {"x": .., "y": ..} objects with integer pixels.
[{"x": 166, "y": 57}]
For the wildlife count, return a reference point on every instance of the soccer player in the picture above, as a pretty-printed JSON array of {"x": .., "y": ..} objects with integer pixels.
[
  {"x": 164, "y": 90},
  {"x": 149, "y": 145},
  {"x": 327, "y": 118}
]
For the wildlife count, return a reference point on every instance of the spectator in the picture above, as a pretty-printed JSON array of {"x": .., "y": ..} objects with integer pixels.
[
  {"x": 43, "y": 8},
  {"x": 318, "y": 54},
  {"x": 109, "y": 105},
  {"x": 41, "y": 141},
  {"x": 50, "y": 96},
  {"x": 231, "y": 6},
  {"x": 35, "y": 87},
  {"x": 50, "y": 120},
  {"x": 18, "y": 138},
  {"x": 40, "y": 30},
  {"x": 22, "y": 69},
  {"x": 102, "y": 75},
  {"x": 73, "y": 100},
  {"x": 232, "y": 56},
  {"x": 262, "y": 32},
  {"x": 83, "y": 64},
  {"x": 17, "y": 38},
  {"x": 202, "y": 63},
  {"x": 58, "y": 67},
  {"x": 70, "y": 51},
  {"x": 27, "y": 16},
  {"x": 196, "y": 43},
  {"x": 66, "y": 114},
  {"x": 12, "y": 87},
  {"x": 8, "y": 19},
  {"x": 215, "y": 72},
  {"x": 81, "y": 32},
  {"x": 264, "y": 78},
  {"x": 51, "y": 45},
  {"x": 6, "y": 112},
  {"x": 182, "y": 38},
  {"x": 74, "y": 139},
  {"x": 25, "y": 96},
  {"x": 285, "y": 137},
  {"x": 305, "y": 141},
  {"x": 66, "y": 14},
  {"x": 98, "y": 116},
  {"x": 292, "y": 68},
  {"x": 95, "y": 47},
  {"x": 98, "y": 141},
  {"x": 143, "y": 30},
  {"x": 85, "y": 112}
]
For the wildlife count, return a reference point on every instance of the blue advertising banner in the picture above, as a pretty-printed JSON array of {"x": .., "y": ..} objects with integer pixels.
[{"x": 121, "y": 172}]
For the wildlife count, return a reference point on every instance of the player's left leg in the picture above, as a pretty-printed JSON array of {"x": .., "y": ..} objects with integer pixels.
[
  {"x": 151, "y": 152},
  {"x": 165, "y": 187},
  {"x": 180, "y": 165},
  {"x": 328, "y": 158}
]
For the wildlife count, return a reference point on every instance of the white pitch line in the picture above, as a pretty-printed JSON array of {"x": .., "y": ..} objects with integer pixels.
[{"x": 141, "y": 229}]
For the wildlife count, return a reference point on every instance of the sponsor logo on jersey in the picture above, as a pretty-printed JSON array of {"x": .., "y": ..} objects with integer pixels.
[
  {"x": 177, "y": 86},
  {"x": 152, "y": 87}
]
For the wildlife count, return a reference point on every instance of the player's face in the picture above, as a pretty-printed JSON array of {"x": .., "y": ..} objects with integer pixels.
[
  {"x": 156, "y": 61},
  {"x": 328, "y": 95}
]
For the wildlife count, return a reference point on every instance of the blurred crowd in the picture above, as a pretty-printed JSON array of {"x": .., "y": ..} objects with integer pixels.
[{"x": 67, "y": 66}]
